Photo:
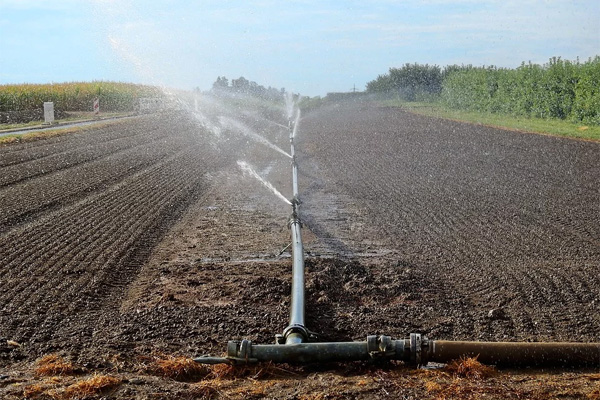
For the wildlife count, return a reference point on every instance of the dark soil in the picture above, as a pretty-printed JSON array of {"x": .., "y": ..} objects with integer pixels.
[{"x": 145, "y": 238}]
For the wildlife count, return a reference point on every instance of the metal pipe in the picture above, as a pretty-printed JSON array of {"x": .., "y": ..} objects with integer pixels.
[
  {"x": 416, "y": 350},
  {"x": 292, "y": 346},
  {"x": 516, "y": 354},
  {"x": 293, "y": 127},
  {"x": 244, "y": 351},
  {"x": 297, "y": 295},
  {"x": 294, "y": 175},
  {"x": 296, "y": 332}
]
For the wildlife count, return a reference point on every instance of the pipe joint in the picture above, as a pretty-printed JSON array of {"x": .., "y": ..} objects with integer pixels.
[
  {"x": 418, "y": 348},
  {"x": 297, "y": 330},
  {"x": 382, "y": 347},
  {"x": 294, "y": 220},
  {"x": 240, "y": 352}
]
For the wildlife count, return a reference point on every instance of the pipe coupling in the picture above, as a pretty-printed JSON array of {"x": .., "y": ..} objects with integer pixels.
[
  {"x": 240, "y": 351},
  {"x": 418, "y": 348},
  {"x": 294, "y": 220},
  {"x": 298, "y": 329},
  {"x": 380, "y": 347}
]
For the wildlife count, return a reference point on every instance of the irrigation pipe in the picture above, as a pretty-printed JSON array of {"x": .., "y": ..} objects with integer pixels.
[{"x": 298, "y": 345}]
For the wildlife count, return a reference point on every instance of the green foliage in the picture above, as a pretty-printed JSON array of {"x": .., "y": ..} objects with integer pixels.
[
  {"x": 307, "y": 104},
  {"x": 410, "y": 82},
  {"x": 75, "y": 96},
  {"x": 246, "y": 87},
  {"x": 586, "y": 106},
  {"x": 559, "y": 89}
]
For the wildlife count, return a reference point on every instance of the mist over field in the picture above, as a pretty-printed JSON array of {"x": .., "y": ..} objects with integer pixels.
[{"x": 305, "y": 200}]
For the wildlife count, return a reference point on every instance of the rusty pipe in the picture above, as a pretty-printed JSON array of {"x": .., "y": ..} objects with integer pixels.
[{"x": 516, "y": 354}]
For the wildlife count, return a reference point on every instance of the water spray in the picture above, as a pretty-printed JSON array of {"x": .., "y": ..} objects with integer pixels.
[
  {"x": 246, "y": 131},
  {"x": 296, "y": 344},
  {"x": 247, "y": 169}
]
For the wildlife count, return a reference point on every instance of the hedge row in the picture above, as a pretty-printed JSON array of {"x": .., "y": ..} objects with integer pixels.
[{"x": 559, "y": 89}]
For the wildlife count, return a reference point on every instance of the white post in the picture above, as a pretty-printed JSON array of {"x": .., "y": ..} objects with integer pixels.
[
  {"x": 48, "y": 112},
  {"x": 97, "y": 106}
]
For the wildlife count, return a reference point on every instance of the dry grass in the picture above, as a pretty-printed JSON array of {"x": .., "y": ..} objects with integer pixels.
[
  {"x": 53, "y": 364},
  {"x": 256, "y": 371},
  {"x": 178, "y": 368},
  {"x": 594, "y": 395},
  {"x": 593, "y": 377},
  {"x": 86, "y": 388},
  {"x": 459, "y": 390},
  {"x": 257, "y": 390},
  {"x": 205, "y": 391},
  {"x": 320, "y": 396},
  {"x": 469, "y": 367},
  {"x": 432, "y": 386},
  {"x": 224, "y": 371},
  {"x": 33, "y": 391}
]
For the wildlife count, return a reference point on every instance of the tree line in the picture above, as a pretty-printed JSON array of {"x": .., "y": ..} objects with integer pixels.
[
  {"x": 244, "y": 86},
  {"x": 558, "y": 89}
]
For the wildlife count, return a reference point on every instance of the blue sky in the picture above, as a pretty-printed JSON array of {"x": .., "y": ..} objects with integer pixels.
[{"x": 311, "y": 47}]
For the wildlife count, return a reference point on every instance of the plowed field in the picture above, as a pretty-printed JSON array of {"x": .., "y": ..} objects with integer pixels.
[{"x": 144, "y": 237}]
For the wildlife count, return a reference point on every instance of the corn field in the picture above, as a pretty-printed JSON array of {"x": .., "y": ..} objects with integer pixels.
[{"x": 75, "y": 96}]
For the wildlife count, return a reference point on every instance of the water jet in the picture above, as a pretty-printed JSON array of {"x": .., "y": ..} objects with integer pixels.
[{"x": 297, "y": 344}]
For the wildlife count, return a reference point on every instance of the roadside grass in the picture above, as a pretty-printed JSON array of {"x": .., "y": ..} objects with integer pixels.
[
  {"x": 74, "y": 116},
  {"x": 4, "y": 127},
  {"x": 58, "y": 131},
  {"x": 554, "y": 127},
  {"x": 30, "y": 137}
]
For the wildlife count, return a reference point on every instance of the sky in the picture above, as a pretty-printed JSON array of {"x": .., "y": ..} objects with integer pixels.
[{"x": 308, "y": 47}]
